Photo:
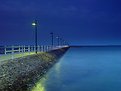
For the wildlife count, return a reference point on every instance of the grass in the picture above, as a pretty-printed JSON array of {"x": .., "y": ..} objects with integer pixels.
[{"x": 17, "y": 55}]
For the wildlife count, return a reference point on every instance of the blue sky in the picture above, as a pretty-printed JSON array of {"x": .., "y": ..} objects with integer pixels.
[{"x": 77, "y": 21}]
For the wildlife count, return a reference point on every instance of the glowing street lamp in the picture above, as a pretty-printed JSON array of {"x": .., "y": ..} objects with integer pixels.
[{"x": 35, "y": 26}]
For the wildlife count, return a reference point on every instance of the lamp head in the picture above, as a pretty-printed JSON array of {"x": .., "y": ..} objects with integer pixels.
[{"x": 34, "y": 24}]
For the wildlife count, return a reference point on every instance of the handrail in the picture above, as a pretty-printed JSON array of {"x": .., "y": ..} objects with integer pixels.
[{"x": 24, "y": 48}]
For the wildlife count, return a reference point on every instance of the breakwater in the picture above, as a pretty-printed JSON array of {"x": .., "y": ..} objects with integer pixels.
[{"x": 14, "y": 74}]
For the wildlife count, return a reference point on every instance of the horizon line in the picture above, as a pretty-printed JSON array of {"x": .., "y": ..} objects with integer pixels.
[{"x": 94, "y": 45}]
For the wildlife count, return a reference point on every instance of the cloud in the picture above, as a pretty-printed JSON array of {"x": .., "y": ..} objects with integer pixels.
[
  {"x": 40, "y": 8},
  {"x": 72, "y": 9}
]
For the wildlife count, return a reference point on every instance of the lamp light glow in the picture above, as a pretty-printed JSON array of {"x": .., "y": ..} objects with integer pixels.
[{"x": 34, "y": 24}]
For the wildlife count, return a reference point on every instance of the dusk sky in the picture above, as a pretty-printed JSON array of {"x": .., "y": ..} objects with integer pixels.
[{"x": 80, "y": 22}]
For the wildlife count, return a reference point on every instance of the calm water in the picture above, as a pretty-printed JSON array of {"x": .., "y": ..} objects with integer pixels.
[{"x": 84, "y": 69}]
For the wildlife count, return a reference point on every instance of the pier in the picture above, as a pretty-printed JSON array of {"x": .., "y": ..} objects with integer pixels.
[{"x": 12, "y": 52}]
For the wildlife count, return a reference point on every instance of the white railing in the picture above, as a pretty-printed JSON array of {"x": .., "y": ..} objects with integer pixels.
[
  {"x": 23, "y": 49},
  {"x": 11, "y": 52}
]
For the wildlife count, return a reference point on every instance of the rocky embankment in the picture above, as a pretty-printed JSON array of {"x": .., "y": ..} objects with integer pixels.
[{"x": 17, "y": 72}]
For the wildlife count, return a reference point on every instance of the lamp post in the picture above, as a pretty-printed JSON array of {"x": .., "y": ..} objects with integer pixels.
[
  {"x": 52, "y": 41},
  {"x": 57, "y": 40},
  {"x": 64, "y": 42},
  {"x": 61, "y": 43},
  {"x": 35, "y": 26}
]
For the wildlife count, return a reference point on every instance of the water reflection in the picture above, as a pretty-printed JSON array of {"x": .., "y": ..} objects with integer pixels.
[
  {"x": 57, "y": 69},
  {"x": 40, "y": 85}
]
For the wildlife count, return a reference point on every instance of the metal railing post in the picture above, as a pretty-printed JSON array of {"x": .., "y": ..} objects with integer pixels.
[
  {"x": 47, "y": 48},
  {"x": 42, "y": 49},
  {"x": 24, "y": 49},
  {"x": 19, "y": 49},
  {"x": 12, "y": 52},
  {"x": 29, "y": 49},
  {"x": 5, "y": 50},
  {"x": 38, "y": 48}
]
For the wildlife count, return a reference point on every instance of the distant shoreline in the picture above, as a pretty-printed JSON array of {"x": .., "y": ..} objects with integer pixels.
[{"x": 95, "y": 46}]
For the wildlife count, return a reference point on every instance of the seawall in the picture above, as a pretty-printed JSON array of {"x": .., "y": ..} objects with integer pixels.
[{"x": 17, "y": 72}]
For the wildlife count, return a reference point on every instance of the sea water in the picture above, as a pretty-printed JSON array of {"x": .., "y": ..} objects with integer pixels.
[{"x": 84, "y": 69}]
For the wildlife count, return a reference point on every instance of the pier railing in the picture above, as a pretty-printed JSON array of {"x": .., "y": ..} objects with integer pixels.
[
  {"x": 23, "y": 49},
  {"x": 11, "y": 52}
]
